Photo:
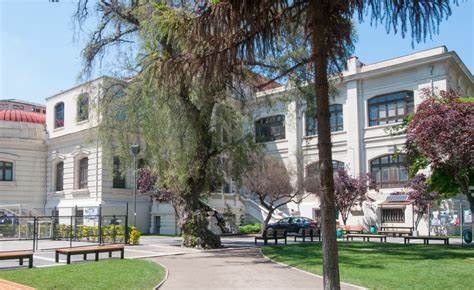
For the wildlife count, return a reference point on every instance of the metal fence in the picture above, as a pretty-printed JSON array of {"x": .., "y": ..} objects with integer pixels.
[{"x": 69, "y": 229}]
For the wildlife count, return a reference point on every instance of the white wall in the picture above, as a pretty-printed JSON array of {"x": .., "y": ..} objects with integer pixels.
[
  {"x": 23, "y": 144},
  {"x": 358, "y": 143}
]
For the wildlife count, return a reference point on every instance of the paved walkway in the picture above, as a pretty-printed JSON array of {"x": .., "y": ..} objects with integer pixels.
[{"x": 234, "y": 269}]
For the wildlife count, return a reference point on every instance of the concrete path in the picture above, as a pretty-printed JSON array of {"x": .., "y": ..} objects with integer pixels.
[{"x": 234, "y": 269}]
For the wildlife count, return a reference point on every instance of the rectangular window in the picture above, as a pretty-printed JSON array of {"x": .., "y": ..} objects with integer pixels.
[
  {"x": 393, "y": 215},
  {"x": 389, "y": 171},
  {"x": 335, "y": 120},
  {"x": 119, "y": 179},
  {"x": 390, "y": 108},
  {"x": 6, "y": 171},
  {"x": 83, "y": 172},
  {"x": 59, "y": 176},
  {"x": 270, "y": 128}
]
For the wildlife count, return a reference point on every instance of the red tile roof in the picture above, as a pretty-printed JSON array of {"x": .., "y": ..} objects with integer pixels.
[{"x": 21, "y": 116}]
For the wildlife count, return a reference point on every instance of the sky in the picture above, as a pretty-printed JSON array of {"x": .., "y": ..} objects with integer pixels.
[{"x": 39, "y": 55}]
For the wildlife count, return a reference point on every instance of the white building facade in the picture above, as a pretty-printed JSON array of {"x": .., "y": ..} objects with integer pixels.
[
  {"x": 370, "y": 100},
  {"x": 61, "y": 166}
]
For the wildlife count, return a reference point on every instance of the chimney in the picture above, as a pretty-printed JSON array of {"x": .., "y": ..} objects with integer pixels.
[{"x": 353, "y": 65}]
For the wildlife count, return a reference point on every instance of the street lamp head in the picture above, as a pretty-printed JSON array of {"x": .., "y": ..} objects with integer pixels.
[{"x": 135, "y": 149}]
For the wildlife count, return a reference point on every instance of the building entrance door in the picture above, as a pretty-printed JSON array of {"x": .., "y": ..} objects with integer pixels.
[{"x": 157, "y": 224}]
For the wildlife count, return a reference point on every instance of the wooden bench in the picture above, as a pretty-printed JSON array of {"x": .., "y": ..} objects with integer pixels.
[
  {"x": 20, "y": 255},
  {"x": 352, "y": 229},
  {"x": 278, "y": 234},
  {"x": 396, "y": 231},
  {"x": 90, "y": 250},
  {"x": 308, "y": 233},
  {"x": 9, "y": 285},
  {"x": 367, "y": 237},
  {"x": 426, "y": 239}
]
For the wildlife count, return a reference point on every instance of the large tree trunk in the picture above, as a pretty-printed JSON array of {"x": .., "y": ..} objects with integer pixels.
[
  {"x": 193, "y": 220},
  {"x": 320, "y": 22}
]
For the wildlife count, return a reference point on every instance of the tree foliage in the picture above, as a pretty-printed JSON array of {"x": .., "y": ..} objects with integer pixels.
[
  {"x": 220, "y": 37},
  {"x": 243, "y": 31},
  {"x": 349, "y": 191},
  {"x": 440, "y": 135},
  {"x": 188, "y": 127},
  {"x": 418, "y": 191},
  {"x": 270, "y": 181}
]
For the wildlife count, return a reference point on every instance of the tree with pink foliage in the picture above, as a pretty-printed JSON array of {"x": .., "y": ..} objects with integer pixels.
[
  {"x": 418, "y": 191},
  {"x": 441, "y": 136},
  {"x": 350, "y": 191}
]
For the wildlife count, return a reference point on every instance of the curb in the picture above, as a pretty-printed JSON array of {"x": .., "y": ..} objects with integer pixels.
[
  {"x": 306, "y": 272},
  {"x": 165, "y": 278}
]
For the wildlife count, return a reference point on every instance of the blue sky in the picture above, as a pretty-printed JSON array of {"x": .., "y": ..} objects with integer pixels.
[{"x": 39, "y": 57}]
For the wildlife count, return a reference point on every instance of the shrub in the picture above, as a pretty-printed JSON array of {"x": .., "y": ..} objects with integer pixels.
[
  {"x": 250, "y": 228},
  {"x": 133, "y": 236}
]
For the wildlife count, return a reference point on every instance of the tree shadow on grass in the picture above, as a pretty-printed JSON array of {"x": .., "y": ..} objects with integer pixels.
[{"x": 367, "y": 255}]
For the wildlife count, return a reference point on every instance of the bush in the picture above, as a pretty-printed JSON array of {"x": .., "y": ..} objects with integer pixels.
[
  {"x": 133, "y": 236},
  {"x": 250, "y": 228}
]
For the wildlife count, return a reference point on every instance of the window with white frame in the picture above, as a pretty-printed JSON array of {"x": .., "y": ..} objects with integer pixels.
[
  {"x": 83, "y": 172},
  {"x": 270, "y": 128},
  {"x": 389, "y": 170},
  {"x": 393, "y": 215},
  {"x": 83, "y": 107},
  {"x": 59, "y": 115},
  {"x": 59, "y": 174},
  {"x": 390, "y": 108},
  {"x": 6, "y": 171},
  {"x": 118, "y": 177},
  {"x": 313, "y": 168},
  {"x": 335, "y": 120}
]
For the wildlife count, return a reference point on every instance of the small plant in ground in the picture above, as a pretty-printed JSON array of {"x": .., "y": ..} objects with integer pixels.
[
  {"x": 250, "y": 228},
  {"x": 133, "y": 236}
]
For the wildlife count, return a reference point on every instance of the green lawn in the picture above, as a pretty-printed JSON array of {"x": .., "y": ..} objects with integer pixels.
[
  {"x": 388, "y": 266},
  {"x": 106, "y": 274}
]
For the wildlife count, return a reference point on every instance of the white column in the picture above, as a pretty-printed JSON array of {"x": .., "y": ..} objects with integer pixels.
[
  {"x": 293, "y": 128},
  {"x": 353, "y": 112}
]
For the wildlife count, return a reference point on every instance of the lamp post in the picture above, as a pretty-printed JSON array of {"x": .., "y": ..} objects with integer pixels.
[{"x": 135, "y": 149}]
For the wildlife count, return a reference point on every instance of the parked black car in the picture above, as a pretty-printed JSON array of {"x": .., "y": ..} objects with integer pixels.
[{"x": 294, "y": 224}]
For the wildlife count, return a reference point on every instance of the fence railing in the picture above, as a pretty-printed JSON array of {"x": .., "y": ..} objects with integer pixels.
[{"x": 98, "y": 228}]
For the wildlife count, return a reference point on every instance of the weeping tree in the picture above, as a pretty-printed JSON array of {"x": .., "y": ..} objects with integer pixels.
[
  {"x": 189, "y": 124},
  {"x": 240, "y": 32}
]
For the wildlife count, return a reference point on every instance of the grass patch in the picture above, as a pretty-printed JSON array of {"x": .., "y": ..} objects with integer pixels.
[
  {"x": 106, "y": 274},
  {"x": 388, "y": 266}
]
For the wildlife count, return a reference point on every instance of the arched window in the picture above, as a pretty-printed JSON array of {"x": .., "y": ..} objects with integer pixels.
[
  {"x": 390, "y": 108},
  {"x": 335, "y": 119},
  {"x": 389, "y": 170},
  {"x": 6, "y": 171},
  {"x": 83, "y": 172},
  {"x": 313, "y": 168},
  {"x": 59, "y": 115},
  {"x": 59, "y": 171},
  {"x": 270, "y": 128},
  {"x": 83, "y": 107}
]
